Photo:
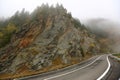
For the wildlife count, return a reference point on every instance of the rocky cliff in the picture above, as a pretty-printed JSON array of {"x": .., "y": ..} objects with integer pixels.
[{"x": 51, "y": 34}]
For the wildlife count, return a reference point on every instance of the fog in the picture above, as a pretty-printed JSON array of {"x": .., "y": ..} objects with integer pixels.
[
  {"x": 106, "y": 29},
  {"x": 102, "y": 16},
  {"x": 82, "y": 9}
]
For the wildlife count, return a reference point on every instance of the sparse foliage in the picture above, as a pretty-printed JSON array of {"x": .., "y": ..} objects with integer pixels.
[{"x": 15, "y": 23}]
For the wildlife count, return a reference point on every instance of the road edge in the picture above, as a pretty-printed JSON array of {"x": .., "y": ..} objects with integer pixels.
[
  {"x": 106, "y": 71},
  {"x": 69, "y": 67},
  {"x": 49, "y": 78}
]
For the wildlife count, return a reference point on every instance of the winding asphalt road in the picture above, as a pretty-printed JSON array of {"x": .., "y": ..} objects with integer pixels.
[{"x": 96, "y": 68}]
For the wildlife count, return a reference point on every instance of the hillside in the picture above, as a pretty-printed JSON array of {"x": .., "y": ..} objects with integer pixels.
[
  {"x": 47, "y": 39},
  {"x": 107, "y": 32}
]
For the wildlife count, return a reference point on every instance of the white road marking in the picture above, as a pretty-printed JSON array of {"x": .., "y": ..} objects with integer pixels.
[
  {"x": 72, "y": 71},
  {"x": 119, "y": 79},
  {"x": 106, "y": 71}
]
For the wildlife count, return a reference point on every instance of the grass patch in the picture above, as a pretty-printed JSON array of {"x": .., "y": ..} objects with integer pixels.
[{"x": 117, "y": 55}]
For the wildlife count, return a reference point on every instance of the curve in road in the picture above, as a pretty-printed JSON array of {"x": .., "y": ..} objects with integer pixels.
[
  {"x": 72, "y": 71},
  {"x": 93, "y": 69},
  {"x": 100, "y": 78}
]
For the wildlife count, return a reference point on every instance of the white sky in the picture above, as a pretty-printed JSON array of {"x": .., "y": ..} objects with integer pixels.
[{"x": 82, "y": 9}]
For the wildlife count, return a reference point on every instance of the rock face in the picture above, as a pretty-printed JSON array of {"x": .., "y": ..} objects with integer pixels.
[{"x": 51, "y": 34}]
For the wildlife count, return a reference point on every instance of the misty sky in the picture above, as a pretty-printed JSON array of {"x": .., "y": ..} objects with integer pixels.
[{"x": 82, "y": 9}]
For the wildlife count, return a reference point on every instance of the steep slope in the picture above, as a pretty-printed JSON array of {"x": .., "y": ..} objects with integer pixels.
[{"x": 52, "y": 36}]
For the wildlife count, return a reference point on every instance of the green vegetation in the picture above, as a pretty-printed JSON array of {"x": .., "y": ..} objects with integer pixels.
[
  {"x": 12, "y": 25},
  {"x": 117, "y": 54},
  {"x": 77, "y": 24},
  {"x": 6, "y": 33}
]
